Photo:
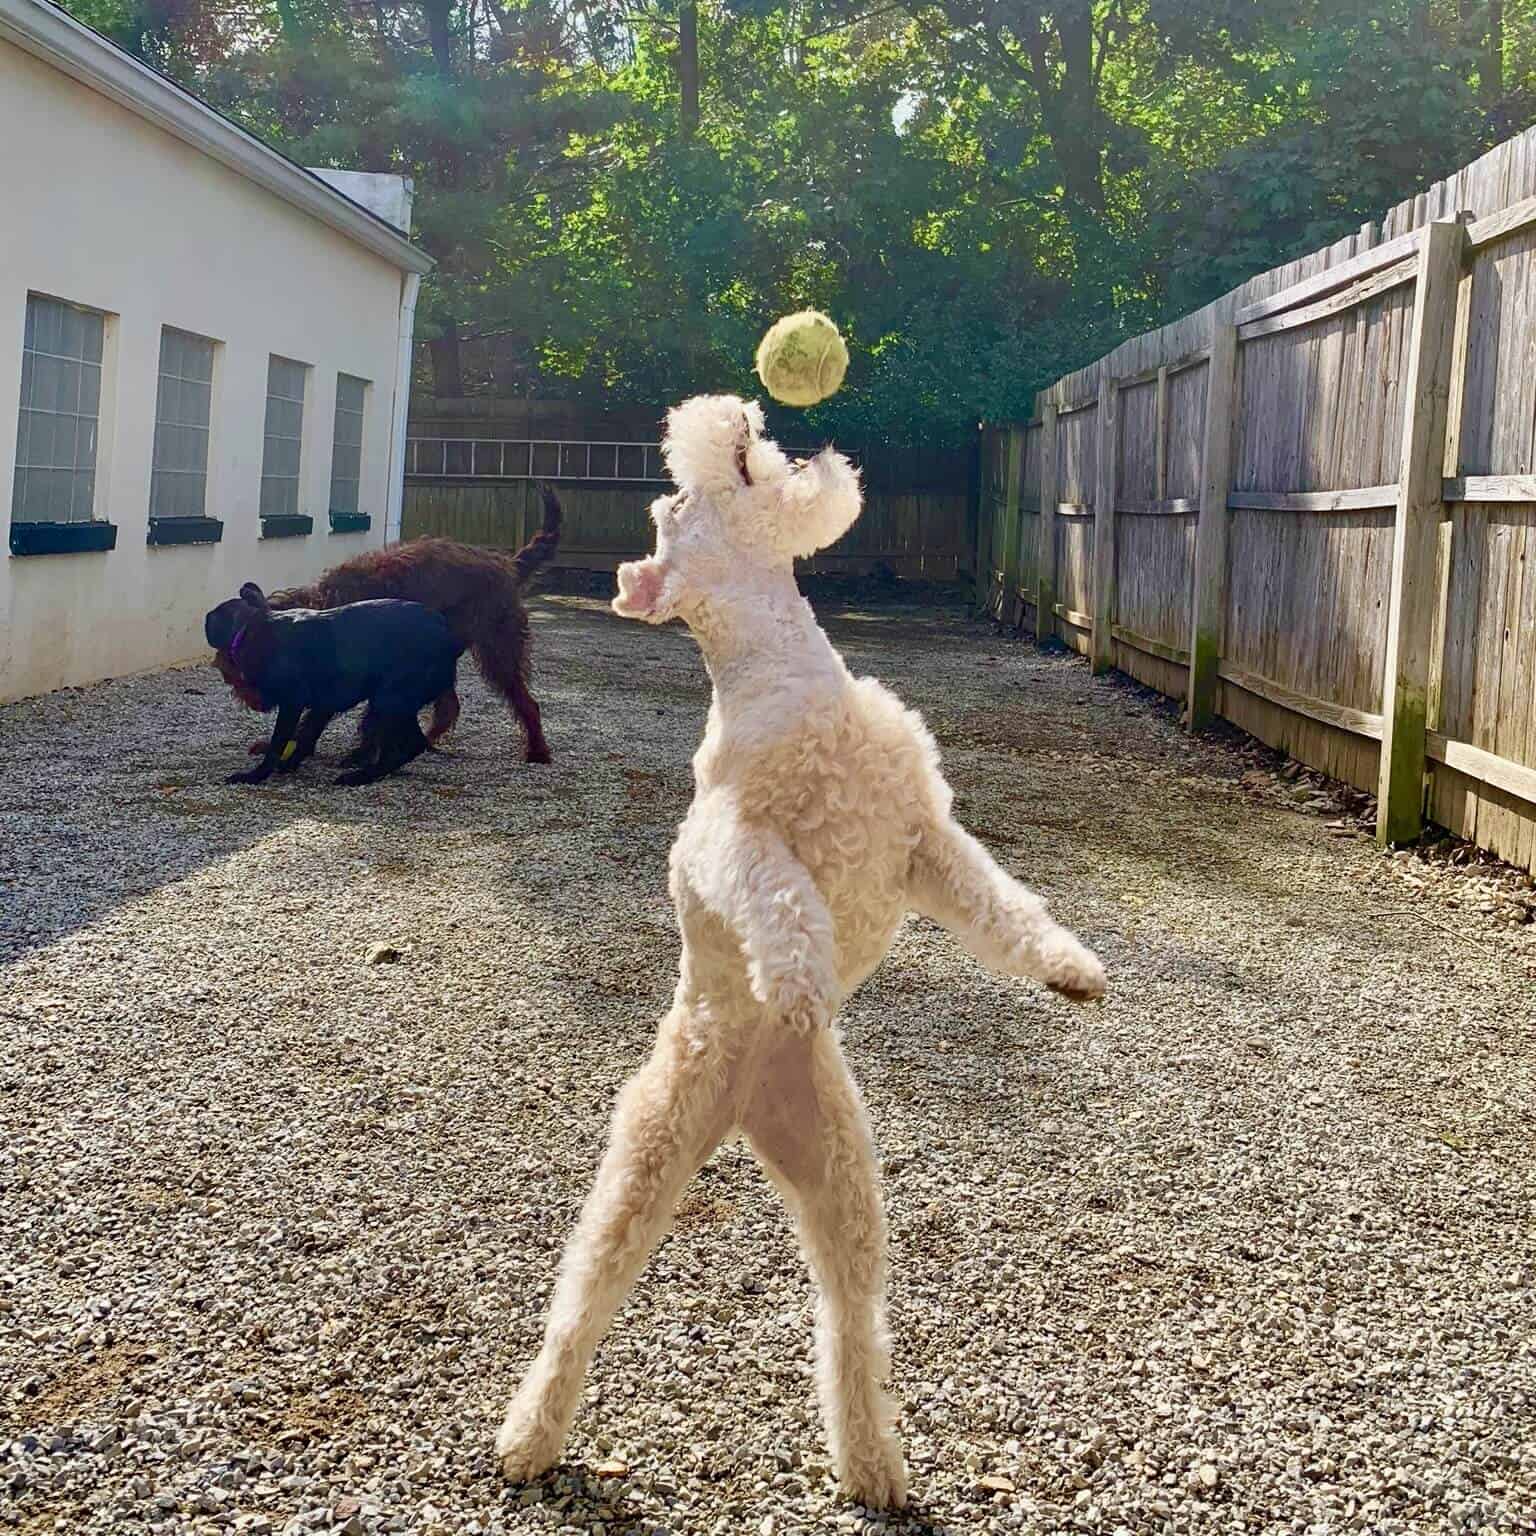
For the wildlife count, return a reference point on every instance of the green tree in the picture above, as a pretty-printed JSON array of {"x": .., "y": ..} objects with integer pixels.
[{"x": 984, "y": 193}]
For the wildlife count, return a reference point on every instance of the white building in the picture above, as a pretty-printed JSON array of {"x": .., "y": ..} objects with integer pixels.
[{"x": 204, "y": 359}]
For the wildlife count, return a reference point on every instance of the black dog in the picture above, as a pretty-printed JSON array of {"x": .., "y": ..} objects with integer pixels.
[{"x": 395, "y": 656}]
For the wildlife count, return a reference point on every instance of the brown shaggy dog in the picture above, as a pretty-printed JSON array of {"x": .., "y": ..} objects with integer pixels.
[{"x": 479, "y": 592}]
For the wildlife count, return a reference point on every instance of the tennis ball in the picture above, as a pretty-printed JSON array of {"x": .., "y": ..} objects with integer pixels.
[{"x": 802, "y": 359}]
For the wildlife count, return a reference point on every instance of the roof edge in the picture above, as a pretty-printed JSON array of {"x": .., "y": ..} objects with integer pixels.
[{"x": 40, "y": 28}]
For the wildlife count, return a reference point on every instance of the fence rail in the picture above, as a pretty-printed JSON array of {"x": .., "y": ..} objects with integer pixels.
[
  {"x": 1311, "y": 508},
  {"x": 494, "y": 458}
]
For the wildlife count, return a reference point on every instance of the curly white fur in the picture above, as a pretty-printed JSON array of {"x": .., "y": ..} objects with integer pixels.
[{"x": 821, "y": 817}]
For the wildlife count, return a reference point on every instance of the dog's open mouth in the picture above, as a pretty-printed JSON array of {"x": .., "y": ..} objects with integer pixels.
[{"x": 642, "y": 591}]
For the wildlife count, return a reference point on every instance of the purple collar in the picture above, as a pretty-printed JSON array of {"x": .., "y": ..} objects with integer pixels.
[{"x": 234, "y": 647}]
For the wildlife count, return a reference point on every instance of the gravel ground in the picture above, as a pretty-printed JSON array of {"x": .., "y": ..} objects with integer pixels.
[{"x": 1247, "y": 1248}]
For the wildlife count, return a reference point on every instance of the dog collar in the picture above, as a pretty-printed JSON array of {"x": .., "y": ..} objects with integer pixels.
[{"x": 235, "y": 644}]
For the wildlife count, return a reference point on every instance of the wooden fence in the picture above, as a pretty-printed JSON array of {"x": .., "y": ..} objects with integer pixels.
[
  {"x": 472, "y": 468},
  {"x": 1311, "y": 508}
]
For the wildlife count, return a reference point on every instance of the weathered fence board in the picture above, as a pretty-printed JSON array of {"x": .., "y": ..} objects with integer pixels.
[
  {"x": 1329, "y": 535},
  {"x": 1155, "y": 561},
  {"x": 1138, "y": 445},
  {"x": 1186, "y": 430},
  {"x": 1077, "y": 455}
]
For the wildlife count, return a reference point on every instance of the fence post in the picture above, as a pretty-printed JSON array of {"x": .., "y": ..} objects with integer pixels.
[
  {"x": 1105, "y": 494},
  {"x": 971, "y": 539},
  {"x": 984, "y": 514},
  {"x": 1209, "y": 591},
  {"x": 1416, "y": 534},
  {"x": 1045, "y": 555},
  {"x": 1013, "y": 531}
]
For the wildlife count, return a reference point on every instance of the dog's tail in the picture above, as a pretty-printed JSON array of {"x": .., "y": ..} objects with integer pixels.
[
  {"x": 540, "y": 549},
  {"x": 295, "y": 597}
]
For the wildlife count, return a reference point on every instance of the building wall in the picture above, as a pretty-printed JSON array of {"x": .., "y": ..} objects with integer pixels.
[{"x": 101, "y": 208}]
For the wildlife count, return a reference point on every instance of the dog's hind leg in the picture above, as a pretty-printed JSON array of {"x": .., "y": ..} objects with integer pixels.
[
  {"x": 367, "y": 745},
  {"x": 501, "y": 662},
  {"x": 670, "y": 1117},
  {"x": 445, "y": 715},
  {"x": 808, "y": 1126},
  {"x": 399, "y": 740},
  {"x": 1004, "y": 924},
  {"x": 528, "y": 712}
]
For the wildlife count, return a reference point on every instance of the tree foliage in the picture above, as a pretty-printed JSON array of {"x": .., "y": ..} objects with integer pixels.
[{"x": 622, "y": 194}]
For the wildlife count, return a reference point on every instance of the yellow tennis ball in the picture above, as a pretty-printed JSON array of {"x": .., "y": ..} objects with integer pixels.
[{"x": 802, "y": 359}]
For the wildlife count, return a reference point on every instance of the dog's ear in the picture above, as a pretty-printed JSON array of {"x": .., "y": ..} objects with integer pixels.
[
  {"x": 749, "y": 433},
  {"x": 708, "y": 443},
  {"x": 221, "y": 624},
  {"x": 252, "y": 594},
  {"x": 818, "y": 503}
]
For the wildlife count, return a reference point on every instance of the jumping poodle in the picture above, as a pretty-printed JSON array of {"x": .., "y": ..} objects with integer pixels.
[{"x": 820, "y": 818}]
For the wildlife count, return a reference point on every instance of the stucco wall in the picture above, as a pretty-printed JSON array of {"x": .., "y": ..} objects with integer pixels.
[{"x": 101, "y": 208}]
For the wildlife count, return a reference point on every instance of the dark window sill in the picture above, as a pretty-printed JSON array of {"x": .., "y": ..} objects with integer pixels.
[
  {"x": 351, "y": 522},
  {"x": 62, "y": 538},
  {"x": 185, "y": 530},
  {"x": 287, "y": 525}
]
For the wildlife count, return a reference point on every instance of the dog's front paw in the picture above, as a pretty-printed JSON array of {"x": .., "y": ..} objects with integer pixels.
[
  {"x": 526, "y": 1447},
  {"x": 876, "y": 1478},
  {"x": 1072, "y": 969},
  {"x": 254, "y": 776},
  {"x": 806, "y": 1004},
  {"x": 807, "y": 1015},
  {"x": 356, "y": 776}
]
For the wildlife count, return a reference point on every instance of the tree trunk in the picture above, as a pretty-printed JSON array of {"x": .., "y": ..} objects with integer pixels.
[
  {"x": 688, "y": 65},
  {"x": 1078, "y": 135},
  {"x": 1069, "y": 105},
  {"x": 439, "y": 16}
]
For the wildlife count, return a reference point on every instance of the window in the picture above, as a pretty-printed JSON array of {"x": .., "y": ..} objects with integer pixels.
[
  {"x": 347, "y": 450},
  {"x": 60, "y": 408},
  {"x": 178, "y": 485},
  {"x": 283, "y": 437}
]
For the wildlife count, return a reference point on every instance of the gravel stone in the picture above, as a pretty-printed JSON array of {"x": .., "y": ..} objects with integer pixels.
[{"x": 1246, "y": 1249}]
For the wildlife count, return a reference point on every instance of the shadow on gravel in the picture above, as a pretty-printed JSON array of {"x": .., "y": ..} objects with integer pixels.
[{"x": 110, "y": 793}]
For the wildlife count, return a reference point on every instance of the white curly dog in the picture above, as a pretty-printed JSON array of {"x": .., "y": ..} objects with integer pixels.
[{"x": 819, "y": 820}]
